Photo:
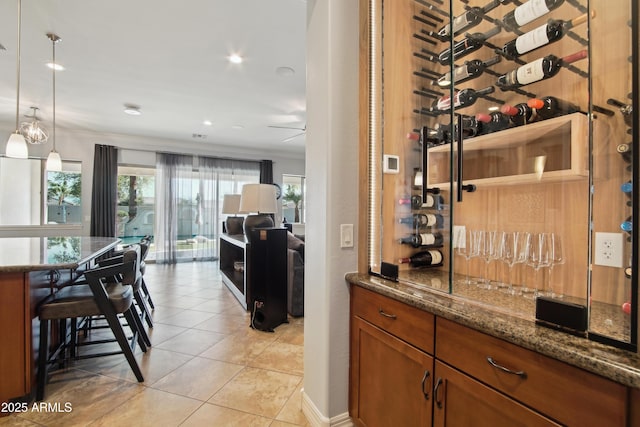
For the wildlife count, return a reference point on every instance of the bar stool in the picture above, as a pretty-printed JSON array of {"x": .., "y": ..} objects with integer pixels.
[{"x": 98, "y": 296}]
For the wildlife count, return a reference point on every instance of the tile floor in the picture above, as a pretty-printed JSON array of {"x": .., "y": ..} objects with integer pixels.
[{"x": 207, "y": 367}]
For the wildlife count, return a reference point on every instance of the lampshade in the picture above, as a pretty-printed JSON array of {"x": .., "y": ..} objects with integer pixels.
[
  {"x": 17, "y": 146},
  {"x": 231, "y": 204},
  {"x": 260, "y": 198},
  {"x": 54, "y": 162}
]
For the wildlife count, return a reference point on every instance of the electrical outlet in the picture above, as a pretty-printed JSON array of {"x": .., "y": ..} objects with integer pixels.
[{"x": 608, "y": 249}]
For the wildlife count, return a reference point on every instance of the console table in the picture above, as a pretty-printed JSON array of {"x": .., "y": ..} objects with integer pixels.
[{"x": 233, "y": 249}]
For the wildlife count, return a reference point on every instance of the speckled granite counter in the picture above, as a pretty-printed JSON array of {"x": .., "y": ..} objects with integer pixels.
[
  {"x": 20, "y": 254},
  {"x": 618, "y": 365}
]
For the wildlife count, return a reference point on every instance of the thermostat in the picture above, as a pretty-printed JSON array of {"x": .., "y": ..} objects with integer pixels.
[{"x": 390, "y": 164}]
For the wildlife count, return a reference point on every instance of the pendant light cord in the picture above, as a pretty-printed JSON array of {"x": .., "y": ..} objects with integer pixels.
[
  {"x": 18, "y": 68},
  {"x": 54, "y": 40}
]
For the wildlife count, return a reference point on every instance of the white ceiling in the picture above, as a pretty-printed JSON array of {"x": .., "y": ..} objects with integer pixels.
[{"x": 168, "y": 57}]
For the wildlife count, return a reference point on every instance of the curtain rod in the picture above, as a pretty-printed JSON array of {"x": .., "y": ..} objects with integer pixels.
[{"x": 169, "y": 152}]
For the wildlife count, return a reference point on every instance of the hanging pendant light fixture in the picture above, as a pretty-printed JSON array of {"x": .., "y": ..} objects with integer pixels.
[
  {"x": 54, "y": 162},
  {"x": 17, "y": 146},
  {"x": 33, "y": 131}
]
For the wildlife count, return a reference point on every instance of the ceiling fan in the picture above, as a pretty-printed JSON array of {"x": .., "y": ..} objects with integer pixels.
[{"x": 303, "y": 129}]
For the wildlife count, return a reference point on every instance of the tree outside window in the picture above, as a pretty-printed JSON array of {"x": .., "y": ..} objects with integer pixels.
[{"x": 293, "y": 198}]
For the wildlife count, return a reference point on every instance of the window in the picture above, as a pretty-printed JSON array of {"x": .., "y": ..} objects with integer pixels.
[
  {"x": 30, "y": 195},
  {"x": 293, "y": 196},
  {"x": 136, "y": 202}
]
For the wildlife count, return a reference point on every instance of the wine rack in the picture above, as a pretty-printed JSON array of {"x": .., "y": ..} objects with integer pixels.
[{"x": 446, "y": 70}]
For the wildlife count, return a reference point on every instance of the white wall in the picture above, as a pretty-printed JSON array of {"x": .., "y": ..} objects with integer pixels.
[
  {"x": 79, "y": 146},
  {"x": 332, "y": 179}
]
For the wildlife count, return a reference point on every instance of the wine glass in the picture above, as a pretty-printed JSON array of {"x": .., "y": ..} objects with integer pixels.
[
  {"x": 538, "y": 256},
  {"x": 557, "y": 258},
  {"x": 488, "y": 242},
  {"x": 514, "y": 251},
  {"x": 466, "y": 249}
]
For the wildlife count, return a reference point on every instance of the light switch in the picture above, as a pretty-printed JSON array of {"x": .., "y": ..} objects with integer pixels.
[{"x": 346, "y": 235}]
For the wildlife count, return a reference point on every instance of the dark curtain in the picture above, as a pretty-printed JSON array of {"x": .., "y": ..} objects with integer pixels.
[
  {"x": 266, "y": 172},
  {"x": 104, "y": 196}
]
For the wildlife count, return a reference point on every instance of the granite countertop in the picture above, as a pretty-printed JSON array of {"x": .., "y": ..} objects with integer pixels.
[
  {"x": 21, "y": 254},
  {"x": 618, "y": 365}
]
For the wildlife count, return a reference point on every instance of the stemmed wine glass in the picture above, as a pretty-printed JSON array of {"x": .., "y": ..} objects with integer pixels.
[
  {"x": 538, "y": 256},
  {"x": 488, "y": 241},
  {"x": 557, "y": 258},
  {"x": 466, "y": 248},
  {"x": 514, "y": 251}
]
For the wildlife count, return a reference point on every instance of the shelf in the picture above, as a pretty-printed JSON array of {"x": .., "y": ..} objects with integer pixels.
[{"x": 547, "y": 151}]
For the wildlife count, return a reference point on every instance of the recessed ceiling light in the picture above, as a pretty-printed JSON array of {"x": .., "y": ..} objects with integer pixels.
[
  {"x": 132, "y": 110},
  {"x": 56, "y": 67},
  {"x": 285, "y": 71},
  {"x": 235, "y": 58},
  {"x": 237, "y": 127},
  {"x": 494, "y": 108},
  {"x": 207, "y": 123}
]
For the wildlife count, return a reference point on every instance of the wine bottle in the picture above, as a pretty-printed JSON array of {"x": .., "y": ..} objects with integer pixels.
[
  {"x": 494, "y": 121},
  {"x": 423, "y": 239},
  {"x": 423, "y": 220},
  {"x": 627, "y": 272},
  {"x": 550, "y": 106},
  {"x": 625, "y": 109},
  {"x": 529, "y": 11},
  {"x": 461, "y": 99},
  {"x": 540, "y": 69},
  {"x": 431, "y": 202},
  {"x": 404, "y": 200},
  {"x": 520, "y": 114},
  {"x": 627, "y": 225},
  {"x": 626, "y": 151},
  {"x": 545, "y": 34},
  {"x": 469, "y": 44},
  {"x": 430, "y": 137},
  {"x": 627, "y": 188},
  {"x": 467, "y": 71},
  {"x": 469, "y": 19},
  {"x": 430, "y": 258}
]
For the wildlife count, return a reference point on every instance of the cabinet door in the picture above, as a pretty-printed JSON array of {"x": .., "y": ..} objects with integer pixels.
[
  {"x": 390, "y": 380},
  {"x": 462, "y": 401}
]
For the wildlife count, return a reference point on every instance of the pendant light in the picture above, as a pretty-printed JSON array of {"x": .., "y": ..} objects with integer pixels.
[
  {"x": 17, "y": 146},
  {"x": 54, "y": 162},
  {"x": 33, "y": 131}
]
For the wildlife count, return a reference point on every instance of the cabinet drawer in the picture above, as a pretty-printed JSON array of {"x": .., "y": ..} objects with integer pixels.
[
  {"x": 565, "y": 393},
  {"x": 404, "y": 321}
]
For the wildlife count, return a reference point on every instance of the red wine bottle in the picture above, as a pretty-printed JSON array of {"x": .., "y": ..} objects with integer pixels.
[
  {"x": 430, "y": 258},
  {"x": 540, "y": 69},
  {"x": 417, "y": 240},
  {"x": 494, "y": 121},
  {"x": 431, "y": 202},
  {"x": 469, "y": 19},
  {"x": 520, "y": 114},
  {"x": 626, "y": 151},
  {"x": 545, "y": 34},
  {"x": 627, "y": 188},
  {"x": 461, "y": 99},
  {"x": 550, "y": 106},
  {"x": 529, "y": 11},
  {"x": 469, "y": 44},
  {"x": 423, "y": 220},
  {"x": 467, "y": 71}
]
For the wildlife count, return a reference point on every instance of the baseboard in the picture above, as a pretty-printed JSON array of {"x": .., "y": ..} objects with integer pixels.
[{"x": 316, "y": 419}]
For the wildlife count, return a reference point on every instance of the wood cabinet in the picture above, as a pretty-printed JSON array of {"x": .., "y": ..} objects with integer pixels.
[
  {"x": 409, "y": 367},
  {"x": 390, "y": 372}
]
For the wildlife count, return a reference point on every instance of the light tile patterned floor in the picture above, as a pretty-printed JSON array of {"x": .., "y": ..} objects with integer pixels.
[{"x": 207, "y": 367}]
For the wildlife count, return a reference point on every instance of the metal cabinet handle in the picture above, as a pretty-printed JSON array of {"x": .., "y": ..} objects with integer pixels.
[
  {"x": 435, "y": 393},
  {"x": 492, "y": 362},
  {"x": 390, "y": 316},
  {"x": 425, "y": 391},
  {"x": 469, "y": 188}
]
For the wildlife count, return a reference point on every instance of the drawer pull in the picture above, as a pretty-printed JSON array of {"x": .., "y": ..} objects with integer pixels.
[
  {"x": 390, "y": 316},
  {"x": 522, "y": 374},
  {"x": 425, "y": 392}
]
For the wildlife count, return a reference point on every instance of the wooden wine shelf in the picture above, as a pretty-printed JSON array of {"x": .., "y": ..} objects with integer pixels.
[{"x": 563, "y": 140}]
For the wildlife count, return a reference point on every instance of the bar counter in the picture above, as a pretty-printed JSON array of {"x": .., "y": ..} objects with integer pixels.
[
  {"x": 615, "y": 364},
  {"x": 31, "y": 268}
]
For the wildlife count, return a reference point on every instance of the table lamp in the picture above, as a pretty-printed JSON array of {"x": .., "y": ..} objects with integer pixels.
[
  {"x": 231, "y": 206},
  {"x": 259, "y": 199}
]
